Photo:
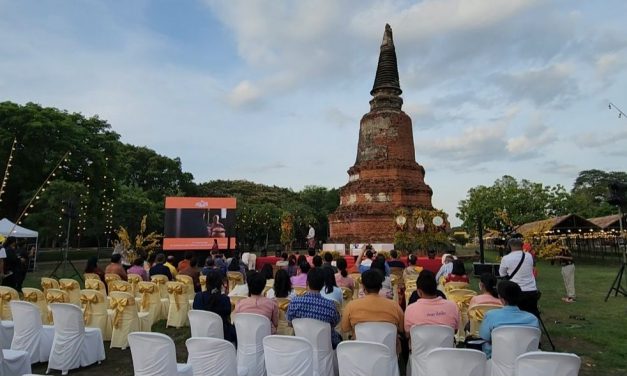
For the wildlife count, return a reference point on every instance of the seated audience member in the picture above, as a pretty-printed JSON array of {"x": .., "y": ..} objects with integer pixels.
[
  {"x": 236, "y": 266},
  {"x": 395, "y": 261},
  {"x": 488, "y": 295},
  {"x": 386, "y": 290},
  {"x": 300, "y": 259},
  {"x": 292, "y": 268},
  {"x": 115, "y": 267},
  {"x": 184, "y": 264},
  {"x": 341, "y": 278},
  {"x": 160, "y": 268},
  {"x": 312, "y": 305},
  {"x": 364, "y": 260},
  {"x": 220, "y": 263},
  {"x": 215, "y": 301},
  {"x": 510, "y": 314},
  {"x": 372, "y": 307},
  {"x": 210, "y": 264},
  {"x": 411, "y": 271},
  {"x": 267, "y": 272},
  {"x": 170, "y": 265},
  {"x": 257, "y": 303},
  {"x": 301, "y": 279},
  {"x": 242, "y": 289},
  {"x": 317, "y": 261},
  {"x": 446, "y": 268},
  {"x": 414, "y": 295},
  {"x": 283, "y": 262},
  {"x": 282, "y": 287},
  {"x": 92, "y": 267},
  {"x": 310, "y": 256},
  {"x": 192, "y": 271},
  {"x": 330, "y": 290},
  {"x": 430, "y": 309},
  {"x": 328, "y": 262},
  {"x": 138, "y": 268},
  {"x": 458, "y": 273}
]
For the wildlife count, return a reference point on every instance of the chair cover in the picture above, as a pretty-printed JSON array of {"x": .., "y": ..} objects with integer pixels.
[
  {"x": 73, "y": 290},
  {"x": 357, "y": 278},
  {"x": 251, "y": 329},
  {"x": 347, "y": 296},
  {"x": 203, "y": 283},
  {"x": 283, "y": 328},
  {"x": 151, "y": 302},
  {"x": 14, "y": 362},
  {"x": 425, "y": 338},
  {"x": 461, "y": 297},
  {"x": 134, "y": 280},
  {"x": 362, "y": 358},
  {"x": 95, "y": 313},
  {"x": 74, "y": 345},
  {"x": 189, "y": 285},
  {"x": 161, "y": 280},
  {"x": 394, "y": 280},
  {"x": 37, "y": 297},
  {"x": 96, "y": 284},
  {"x": 449, "y": 286},
  {"x": 458, "y": 362},
  {"x": 508, "y": 342},
  {"x": 29, "y": 334},
  {"x": 6, "y": 334},
  {"x": 205, "y": 324},
  {"x": 212, "y": 357},
  {"x": 126, "y": 319},
  {"x": 179, "y": 305},
  {"x": 318, "y": 334},
  {"x": 7, "y": 294},
  {"x": 382, "y": 332},
  {"x": 540, "y": 363},
  {"x": 286, "y": 355},
  {"x": 476, "y": 315},
  {"x": 300, "y": 291},
  {"x": 87, "y": 276},
  {"x": 154, "y": 355},
  {"x": 410, "y": 287},
  {"x": 234, "y": 278},
  {"x": 48, "y": 283},
  {"x": 120, "y": 286},
  {"x": 55, "y": 296}
]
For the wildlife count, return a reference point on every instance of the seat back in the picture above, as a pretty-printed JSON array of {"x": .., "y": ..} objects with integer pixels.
[
  {"x": 318, "y": 334},
  {"x": 508, "y": 342},
  {"x": 300, "y": 291},
  {"x": 134, "y": 280},
  {"x": 363, "y": 358},
  {"x": 449, "y": 286},
  {"x": 205, "y": 324},
  {"x": 120, "y": 286},
  {"x": 87, "y": 276},
  {"x": 234, "y": 278},
  {"x": 153, "y": 354},
  {"x": 211, "y": 356},
  {"x": 93, "y": 302},
  {"x": 37, "y": 297},
  {"x": 287, "y": 355},
  {"x": 541, "y": 363},
  {"x": 425, "y": 338},
  {"x": 381, "y": 332},
  {"x": 203, "y": 283},
  {"x": 68, "y": 320},
  {"x": 27, "y": 329},
  {"x": 458, "y": 362},
  {"x": 283, "y": 327},
  {"x": 189, "y": 285},
  {"x": 73, "y": 289},
  {"x": 7, "y": 294},
  {"x": 95, "y": 284},
  {"x": 49, "y": 283},
  {"x": 110, "y": 277},
  {"x": 251, "y": 329},
  {"x": 476, "y": 315},
  {"x": 123, "y": 305}
]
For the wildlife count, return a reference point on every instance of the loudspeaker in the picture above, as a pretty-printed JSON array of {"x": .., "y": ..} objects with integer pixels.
[{"x": 488, "y": 267}]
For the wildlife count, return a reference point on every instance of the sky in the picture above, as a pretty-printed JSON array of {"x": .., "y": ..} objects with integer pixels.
[{"x": 273, "y": 91}]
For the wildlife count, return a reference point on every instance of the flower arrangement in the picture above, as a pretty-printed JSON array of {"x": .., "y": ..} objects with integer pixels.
[{"x": 144, "y": 244}]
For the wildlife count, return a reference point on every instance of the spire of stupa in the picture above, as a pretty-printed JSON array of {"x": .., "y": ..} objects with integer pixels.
[{"x": 387, "y": 70}]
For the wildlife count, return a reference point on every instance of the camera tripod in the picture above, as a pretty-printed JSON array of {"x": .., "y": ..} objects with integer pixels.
[{"x": 617, "y": 286}]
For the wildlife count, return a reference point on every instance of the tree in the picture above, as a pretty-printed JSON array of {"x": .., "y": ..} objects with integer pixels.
[{"x": 590, "y": 191}]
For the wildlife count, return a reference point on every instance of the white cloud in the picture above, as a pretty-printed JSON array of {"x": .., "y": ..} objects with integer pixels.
[
  {"x": 536, "y": 136},
  {"x": 245, "y": 94}
]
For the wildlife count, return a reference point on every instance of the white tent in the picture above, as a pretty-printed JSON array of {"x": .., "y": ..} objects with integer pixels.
[{"x": 8, "y": 228}]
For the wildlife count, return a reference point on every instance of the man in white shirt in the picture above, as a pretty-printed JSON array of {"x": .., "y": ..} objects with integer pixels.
[{"x": 522, "y": 276}]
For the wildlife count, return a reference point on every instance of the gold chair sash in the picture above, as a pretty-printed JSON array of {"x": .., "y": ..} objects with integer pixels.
[
  {"x": 160, "y": 281},
  {"x": 119, "y": 287},
  {"x": 109, "y": 278},
  {"x": 5, "y": 297},
  {"x": 91, "y": 276},
  {"x": 118, "y": 305},
  {"x": 54, "y": 298},
  {"x": 283, "y": 305},
  {"x": 92, "y": 284},
  {"x": 31, "y": 297},
  {"x": 134, "y": 278},
  {"x": 146, "y": 291},
  {"x": 67, "y": 286},
  {"x": 47, "y": 285},
  {"x": 87, "y": 301},
  {"x": 176, "y": 290}
]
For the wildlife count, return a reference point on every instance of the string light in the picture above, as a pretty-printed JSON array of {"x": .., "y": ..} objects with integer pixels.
[
  {"x": 621, "y": 114},
  {"x": 6, "y": 170}
]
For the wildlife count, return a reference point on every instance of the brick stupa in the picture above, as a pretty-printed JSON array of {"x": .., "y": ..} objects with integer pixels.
[{"x": 386, "y": 176}]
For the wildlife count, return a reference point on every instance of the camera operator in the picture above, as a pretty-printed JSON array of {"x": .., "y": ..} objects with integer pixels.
[{"x": 517, "y": 266}]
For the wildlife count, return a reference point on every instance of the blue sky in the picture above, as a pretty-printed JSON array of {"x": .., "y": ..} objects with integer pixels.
[{"x": 273, "y": 91}]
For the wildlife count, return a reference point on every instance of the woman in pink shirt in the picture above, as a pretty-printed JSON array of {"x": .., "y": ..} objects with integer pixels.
[
  {"x": 341, "y": 277},
  {"x": 258, "y": 304},
  {"x": 487, "y": 285},
  {"x": 300, "y": 280},
  {"x": 138, "y": 268}
]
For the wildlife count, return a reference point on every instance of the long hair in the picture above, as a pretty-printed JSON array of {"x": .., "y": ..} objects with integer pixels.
[
  {"x": 329, "y": 280},
  {"x": 92, "y": 264},
  {"x": 458, "y": 268},
  {"x": 266, "y": 271},
  {"x": 214, "y": 288},
  {"x": 234, "y": 265},
  {"x": 341, "y": 266},
  {"x": 282, "y": 284},
  {"x": 489, "y": 283}
]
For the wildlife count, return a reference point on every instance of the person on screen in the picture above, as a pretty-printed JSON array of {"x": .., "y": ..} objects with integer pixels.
[
  {"x": 215, "y": 246},
  {"x": 216, "y": 229}
]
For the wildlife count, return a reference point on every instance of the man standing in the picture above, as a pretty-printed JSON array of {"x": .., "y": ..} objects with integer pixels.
[
  {"x": 510, "y": 314},
  {"x": 311, "y": 238},
  {"x": 312, "y": 305},
  {"x": 11, "y": 263},
  {"x": 568, "y": 273},
  {"x": 372, "y": 307},
  {"x": 517, "y": 267}
]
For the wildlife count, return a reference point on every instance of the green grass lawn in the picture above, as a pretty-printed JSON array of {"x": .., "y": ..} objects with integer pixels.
[{"x": 590, "y": 327}]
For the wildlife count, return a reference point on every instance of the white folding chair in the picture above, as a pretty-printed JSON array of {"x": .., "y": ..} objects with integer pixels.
[
  {"x": 6, "y": 334},
  {"x": 318, "y": 333},
  {"x": 14, "y": 362},
  {"x": 362, "y": 358},
  {"x": 425, "y": 338},
  {"x": 29, "y": 334},
  {"x": 73, "y": 345},
  {"x": 205, "y": 324},
  {"x": 154, "y": 354},
  {"x": 508, "y": 342},
  {"x": 381, "y": 332},
  {"x": 251, "y": 329},
  {"x": 540, "y": 363},
  {"x": 287, "y": 355},
  {"x": 458, "y": 362},
  {"x": 212, "y": 357}
]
